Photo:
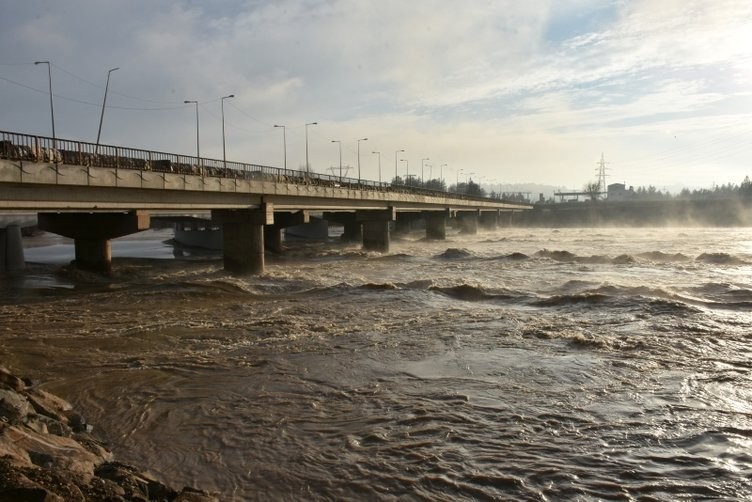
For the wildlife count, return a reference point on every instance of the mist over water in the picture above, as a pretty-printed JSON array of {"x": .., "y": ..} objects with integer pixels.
[{"x": 526, "y": 364}]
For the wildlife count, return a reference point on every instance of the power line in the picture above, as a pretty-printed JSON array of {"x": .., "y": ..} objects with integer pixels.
[
  {"x": 99, "y": 86},
  {"x": 89, "y": 103}
]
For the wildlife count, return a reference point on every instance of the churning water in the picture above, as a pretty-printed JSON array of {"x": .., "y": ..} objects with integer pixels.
[{"x": 528, "y": 364}]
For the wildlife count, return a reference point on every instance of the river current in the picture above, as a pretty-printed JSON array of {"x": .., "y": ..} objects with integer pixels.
[{"x": 524, "y": 364}]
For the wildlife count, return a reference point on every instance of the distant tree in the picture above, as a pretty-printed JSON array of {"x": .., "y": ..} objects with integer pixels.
[
  {"x": 413, "y": 181},
  {"x": 474, "y": 189},
  {"x": 593, "y": 189},
  {"x": 458, "y": 188},
  {"x": 745, "y": 190},
  {"x": 435, "y": 184},
  {"x": 398, "y": 181}
]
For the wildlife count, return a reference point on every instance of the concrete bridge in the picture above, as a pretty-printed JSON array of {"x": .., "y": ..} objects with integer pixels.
[{"x": 94, "y": 193}]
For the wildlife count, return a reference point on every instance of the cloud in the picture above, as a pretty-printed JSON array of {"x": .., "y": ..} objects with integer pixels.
[{"x": 542, "y": 83}]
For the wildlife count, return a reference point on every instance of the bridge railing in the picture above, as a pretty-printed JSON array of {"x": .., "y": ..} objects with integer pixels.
[{"x": 25, "y": 147}]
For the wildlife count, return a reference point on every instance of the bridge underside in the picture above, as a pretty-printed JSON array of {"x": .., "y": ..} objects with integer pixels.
[{"x": 93, "y": 205}]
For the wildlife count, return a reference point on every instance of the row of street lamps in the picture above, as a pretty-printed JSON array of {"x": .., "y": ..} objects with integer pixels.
[
  {"x": 224, "y": 147},
  {"x": 52, "y": 107}
]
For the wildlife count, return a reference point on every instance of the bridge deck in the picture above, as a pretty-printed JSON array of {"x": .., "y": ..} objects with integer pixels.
[{"x": 39, "y": 173}]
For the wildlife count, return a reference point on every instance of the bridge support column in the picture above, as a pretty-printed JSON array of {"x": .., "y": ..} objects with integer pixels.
[
  {"x": 92, "y": 233},
  {"x": 243, "y": 237},
  {"x": 353, "y": 231},
  {"x": 273, "y": 233},
  {"x": 352, "y": 228},
  {"x": 376, "y": 228},
  {"x": 273, "y": 238},
  {"x": 505, "y": 218},
  {"x": 489, "y": 220},
  {"x": 11, "y": 250},
  {"x": 435, "y": 224},
  {"x": 376, "y": 235},
  {"x": 404, "y": 223},
  {"x": 468, "y": 222}
]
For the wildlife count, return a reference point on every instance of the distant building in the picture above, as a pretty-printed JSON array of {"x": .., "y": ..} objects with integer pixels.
[{"x": 617, "y": 191}]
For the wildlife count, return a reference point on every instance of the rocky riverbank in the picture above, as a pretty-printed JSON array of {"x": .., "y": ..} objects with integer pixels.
[{"x": 47, "y": 453}]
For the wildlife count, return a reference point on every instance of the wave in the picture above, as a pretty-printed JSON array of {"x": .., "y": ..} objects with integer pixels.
[
  {"x": 649, "y": 256},
  {"x": 516, "y": 256},
  {"x": 467, "y": 292},
  {"x": 722, "y": 295},
  {"x": 556, "y": 255},
  {"x": 566, "y": 256},
  {"x": 470, "y": 293},
  {"x": 418, "y": 284},
  {"x": 661, "y": 257},
  {"x": 655, "y": 300},
  {"x": 575, "y": 299},
  {"x": 575, "y": 338},
  {"x": 454, "y": 254},
  {"x": 376, "y": 286},
  {"x": 393, "y": 257},
  {"x": 720, "y": 259}
]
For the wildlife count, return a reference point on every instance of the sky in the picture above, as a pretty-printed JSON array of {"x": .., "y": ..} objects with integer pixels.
[{"x": 500, "y": 91}]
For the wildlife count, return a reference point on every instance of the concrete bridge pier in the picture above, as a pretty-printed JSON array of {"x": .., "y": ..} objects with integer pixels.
[
  {"x": 353, "y": 231},
  {"x": 11, "y": 250},
  {"x": 92, "y": 232},
  {"x": 273, "y": 233},
  {"x": 243, "y": 237},
  {"x": 489, "y": 220},
  {"x": 376, "y": 228},
  {"x": 436, "y": 224},
  {"x": 353, "y": 228},
  {"x": 403, "y": 224},
  {"x": 505, "y": 218},
  {"x": 273, "y": 239},
  {"x": 468, "y": 221}
]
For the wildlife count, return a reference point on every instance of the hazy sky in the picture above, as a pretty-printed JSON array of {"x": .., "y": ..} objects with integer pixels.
[{"x": 513, "y": 91}]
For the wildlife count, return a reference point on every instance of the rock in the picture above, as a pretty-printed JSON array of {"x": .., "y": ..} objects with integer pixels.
[
  {"x": 63, "y": 453},
  {"x": 192, "y": 495},
  {"x": 135, "y": 485},
  {"x": 76, "y": 422},
  {"x": 103, "y": 489},
  {"x": 54, "y": 426},
  {"x": 14, "y": 407},
  {"x": 48, "y": 404},
  {"x": 47, "y": 454},
  {"x": 11, "y": 381},
  {"x": 37, "y": 426}
]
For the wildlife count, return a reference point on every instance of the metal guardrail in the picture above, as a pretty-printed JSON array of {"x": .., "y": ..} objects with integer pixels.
[{"x": 24, "y": 147}]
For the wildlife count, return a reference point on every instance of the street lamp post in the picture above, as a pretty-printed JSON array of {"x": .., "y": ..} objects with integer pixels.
[
  {"x": 198, "y": 148},
  {"x": 407, "y": 170},
  {"x": 284, "y": 142},
  {"x": 442, "y": 173},
  {"x": 52, "y": 109},
  {"x": 224, "y": 150},
  {"x": 340, "y": 157},
  {"x": 395, "y": 163},
  {"x": 379, "y": 154},
  {"x": 307, "y": 165},
  {"x": 457, "y": 182},
  {"x": 421, "y": 169},
  {"x": 104, "y": 103},
  {"x": 361, "y": 139}
]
